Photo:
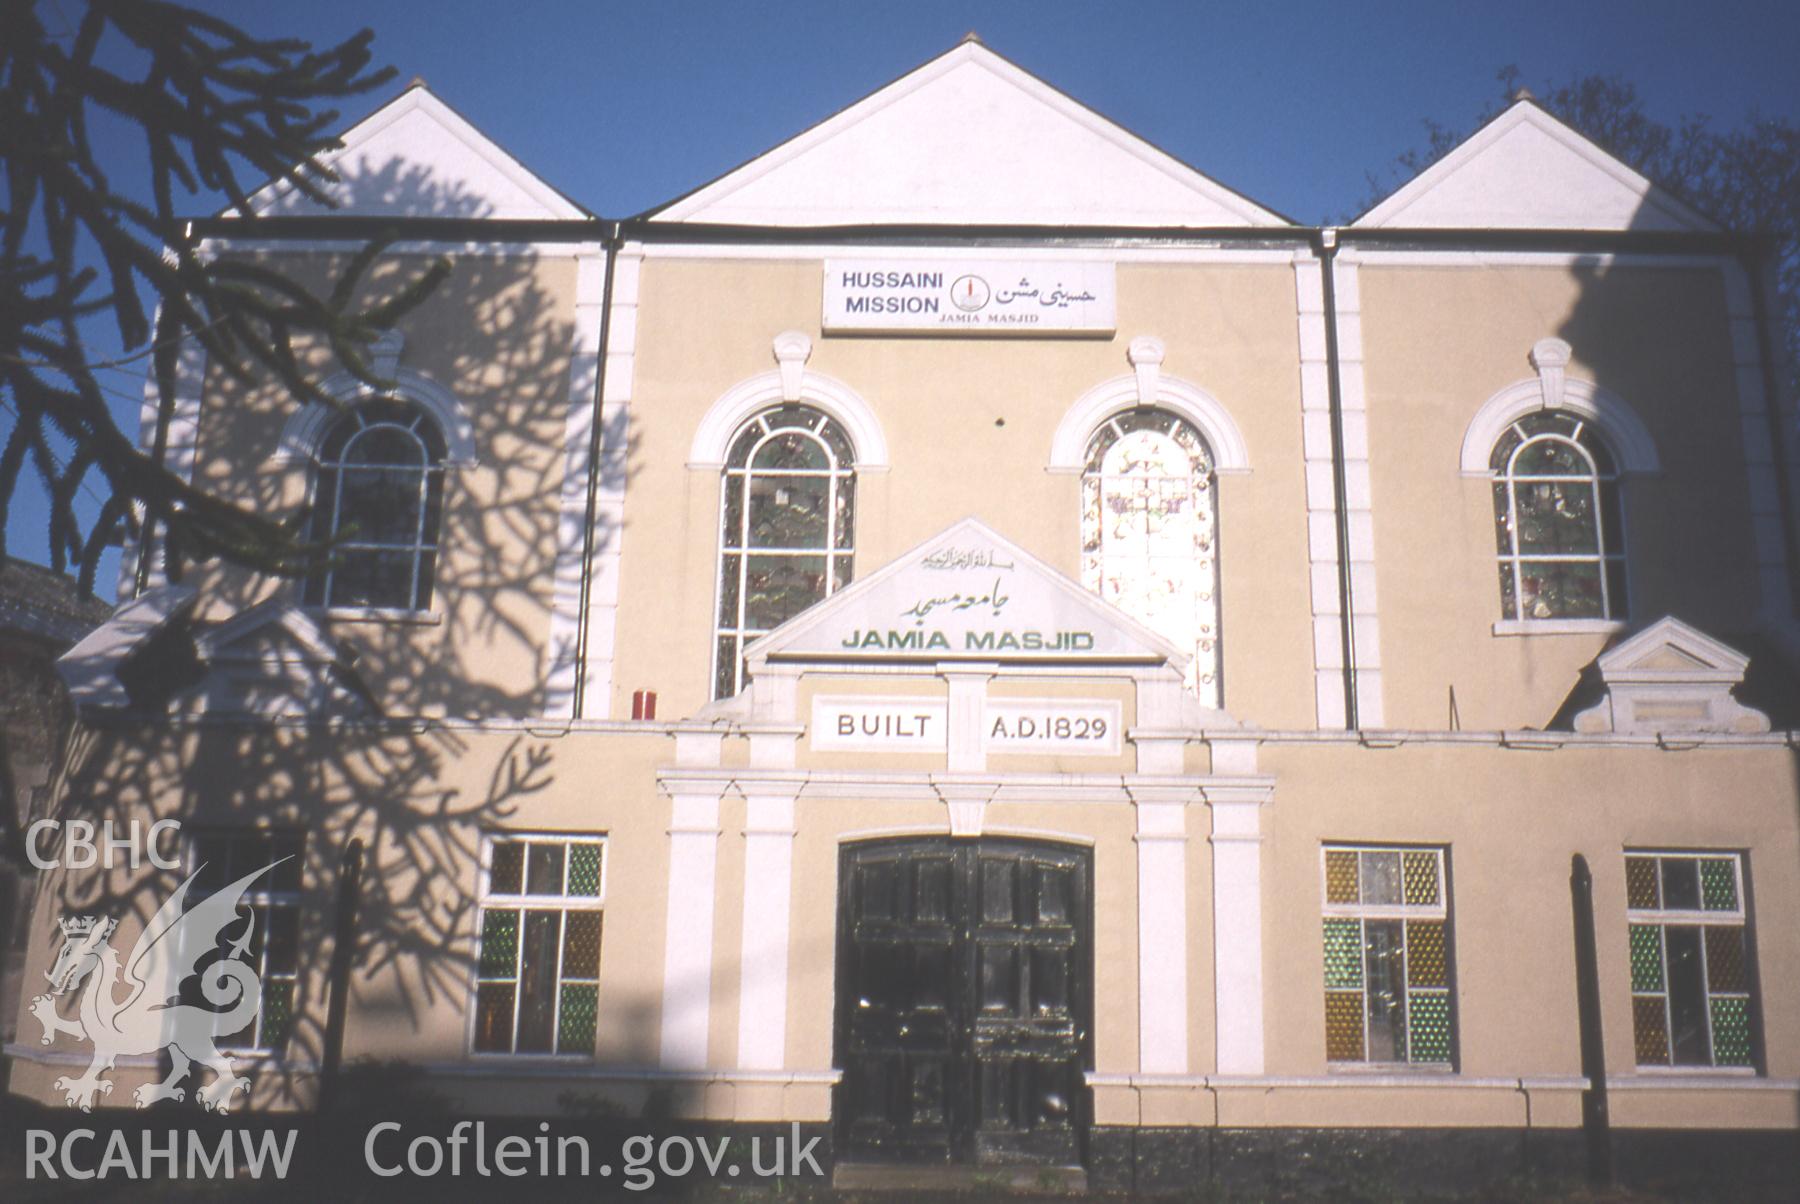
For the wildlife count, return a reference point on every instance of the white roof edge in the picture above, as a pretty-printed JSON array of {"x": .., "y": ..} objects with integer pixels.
[
  {"x": 419, "y": 96},
  {"x": 1521, "y": 112},
  {"x": 1672, "y": 632},
  {"x": 90, "y": 670},
  {"x": 974, "y": 52}
]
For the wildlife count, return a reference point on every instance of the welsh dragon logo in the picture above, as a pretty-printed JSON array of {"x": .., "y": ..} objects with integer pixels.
[{"x": 147, "y": 1019}]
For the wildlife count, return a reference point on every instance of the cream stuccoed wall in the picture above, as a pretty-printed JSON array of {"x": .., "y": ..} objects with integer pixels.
[
  {"x": 1438, "y": 342},
  {"x": 707, "y": 324},
  {"x": 496, "y": 334},
  {"x": 1511, "y": 820}
]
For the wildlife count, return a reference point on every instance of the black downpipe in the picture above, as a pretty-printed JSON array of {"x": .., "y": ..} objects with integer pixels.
[
  {"x": 611, "y": 242},
  {"x": 343, "y": 954},
  {"x": 1325, "y": 246},
  {"x": 1596, "y": 1125},
  {"x": 1753, "y": 264}
]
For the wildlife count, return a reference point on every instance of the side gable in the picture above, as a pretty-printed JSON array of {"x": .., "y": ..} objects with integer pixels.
[
  {"x": 969, "y": 139},
  {"x": 1527, "y": 170},
  {"x": 417, "y": 157}
]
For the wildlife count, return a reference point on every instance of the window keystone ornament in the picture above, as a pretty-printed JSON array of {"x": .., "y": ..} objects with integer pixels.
[{"x": 1671, "y": 678}]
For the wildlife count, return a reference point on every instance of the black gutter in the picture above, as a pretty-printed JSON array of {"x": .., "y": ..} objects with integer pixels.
[
  {"x": 1753, "y": 263},
  {"x": 1325, "y": 246},
  {"x": 595, "y": 438}
]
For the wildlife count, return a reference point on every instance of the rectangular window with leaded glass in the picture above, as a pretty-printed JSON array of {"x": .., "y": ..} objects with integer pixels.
[
  {"x": 1388, "y": 957},
  {"x": 537, "y": 975},
  {"x": 1691, "y": 1002},
  {"x": 223, "y": 856}
]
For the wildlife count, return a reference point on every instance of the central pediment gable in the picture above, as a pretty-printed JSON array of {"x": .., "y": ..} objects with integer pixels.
[
  {"x": 966, "y": 594},
  {"x": 967, "y": 139}
]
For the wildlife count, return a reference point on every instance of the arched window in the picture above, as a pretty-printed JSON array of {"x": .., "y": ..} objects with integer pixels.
[
  {"x": 379, "y": 493},
  {"x": 786, "y": 528},
  {"x": 1149, "y": 533},
  {"x": 1557, "y": 523}
]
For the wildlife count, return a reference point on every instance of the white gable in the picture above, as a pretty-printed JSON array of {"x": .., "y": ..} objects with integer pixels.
[
  {"x": 965, "y": 594},
  {"x": 1671, "y": 677},
  {"x": 967, "y": 139},
  {"x": 1527, "y": 170},
  {"x": 417, "y": 157}
]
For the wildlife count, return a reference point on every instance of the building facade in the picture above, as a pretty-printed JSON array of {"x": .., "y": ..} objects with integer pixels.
[{"x": 968, "y": 634}]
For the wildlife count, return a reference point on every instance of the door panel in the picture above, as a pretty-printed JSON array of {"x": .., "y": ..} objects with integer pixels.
[{"x": 963, "y": 993}]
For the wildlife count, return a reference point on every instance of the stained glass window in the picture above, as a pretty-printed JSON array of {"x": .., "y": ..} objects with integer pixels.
[
  {"x": 378, "y": 497},
  {"x": 1689, "y": 945},
  {"x": 1558, "y": 529},
  {"x": 787, "y": 528},
  {"x": 223, "y": 856},
  {"x": 1388, "y": 968},
  {"x": 537, "y": 965},
  {"x": 1149, "y": 533}
]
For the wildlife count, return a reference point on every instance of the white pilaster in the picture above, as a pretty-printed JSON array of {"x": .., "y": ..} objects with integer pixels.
[
  {"x": 968, "y": 701},
  {"x": 687, "y": 963},
  {"x": 1162, "y": 927},
  {"x": 1237, "y": 926},
  {"x": 180, "y": 450},
  {"x": 768, "y": 884},
  {"x": 1321, "y": 493},
  {"x": 559, "y": 666}
]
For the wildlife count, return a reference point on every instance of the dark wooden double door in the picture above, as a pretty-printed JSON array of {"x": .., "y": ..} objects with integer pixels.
[{"x": 964, "y": 989}]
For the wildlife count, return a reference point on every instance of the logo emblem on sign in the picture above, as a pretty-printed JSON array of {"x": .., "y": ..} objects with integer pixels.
[{"x": 970, "y": 293}]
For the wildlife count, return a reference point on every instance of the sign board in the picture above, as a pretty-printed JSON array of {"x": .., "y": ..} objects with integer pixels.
[
  {"x": 970, "y": 296},
  {"x": 965, "y": 595},
  {"x": 1082, "y": 727},
  {"x": 1022, "y": 726},
  {"x": 866, "y": 724}
]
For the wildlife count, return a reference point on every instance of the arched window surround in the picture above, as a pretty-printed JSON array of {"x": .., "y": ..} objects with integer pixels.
[
  {"x": 745, "y": 400},
  {"x": 1068, "y": 446},
  {"x": 1624, "y": 432},
  {"x": 1555, "y": 472},
  {"x": 306, "y": 427}
]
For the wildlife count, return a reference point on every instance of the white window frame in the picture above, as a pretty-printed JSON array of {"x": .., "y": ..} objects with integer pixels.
[
  {"x": 521, "y": 903},
  {"x": 1609, "y": 544},
  {"x": 425, "y": 542},
  {"x": 741, "y": 477},
  {"x": 1439, "y": 912},
  {"x": 261, "y": 894},
  {"x": 1203, "y": 488},
  {"x": 1661, "y": 918}
]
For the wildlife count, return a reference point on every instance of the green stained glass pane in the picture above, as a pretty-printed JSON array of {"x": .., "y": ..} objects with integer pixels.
[
  {"x": 1502, "y": 518},
  {"x": 1343, "y": 954},
  {"x": 1509, "y": 592},
  {"x": 1556, "y": 517},
  {"x": 1340, "y": 876},
  {"x": 1650, "y": 1030},
  {"x": 1731, "y": 1031},
  {"x": 1725, "y": 962},
  {"x": 1640, "y": 882},
  {"x": 584, "y": 870},
  {"x": 1430, "y": 1025},
  {"x": 581, "y": 945},
  {"x": 1560, "y": 589},
  {"x": 1718, "y": 884},
  {"x": 278, "y": 1014},
  {"x": 1421, "y": 873},
  {"x": 499, "y": 944},
  {"x": 1426, "y": 963},
  {"x": 1344, "y": 1026},
  {"x": 1646, "y": 957},
  {"x": 779, "y": 587},
  {"x": 1551, "y": 457},
  {"x": 575, "y": 1028}
]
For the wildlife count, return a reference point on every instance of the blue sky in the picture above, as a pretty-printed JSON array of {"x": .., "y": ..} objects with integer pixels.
[{"x": 623, "y": 106}]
